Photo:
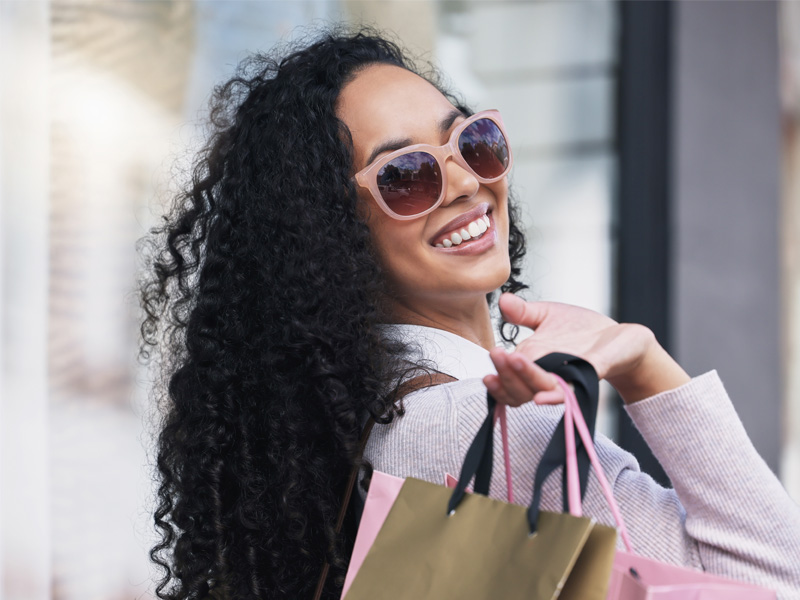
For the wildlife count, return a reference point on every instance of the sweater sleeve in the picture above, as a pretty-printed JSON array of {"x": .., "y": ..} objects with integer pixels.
[{"x": 739, "y": 516}]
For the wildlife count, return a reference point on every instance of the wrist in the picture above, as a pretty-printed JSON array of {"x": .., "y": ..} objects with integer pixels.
[{"x": 656, "y": 372}]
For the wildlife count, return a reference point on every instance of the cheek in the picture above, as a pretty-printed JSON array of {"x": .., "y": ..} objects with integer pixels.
[
  {"x": 500, "y": 191},
  {"x": 393, "y": 242}
]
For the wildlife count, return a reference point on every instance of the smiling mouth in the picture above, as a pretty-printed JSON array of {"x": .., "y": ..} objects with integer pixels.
[{"x": 473, "y": 230}]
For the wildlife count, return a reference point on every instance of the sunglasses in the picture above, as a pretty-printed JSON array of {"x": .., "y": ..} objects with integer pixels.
[{"x": 411, "y": 182}]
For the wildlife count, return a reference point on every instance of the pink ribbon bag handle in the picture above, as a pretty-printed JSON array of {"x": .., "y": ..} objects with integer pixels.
[{"x": 573, "y": 419}]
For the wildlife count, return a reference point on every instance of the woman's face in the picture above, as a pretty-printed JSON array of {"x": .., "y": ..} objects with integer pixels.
[{"x": 389, "y": 106}]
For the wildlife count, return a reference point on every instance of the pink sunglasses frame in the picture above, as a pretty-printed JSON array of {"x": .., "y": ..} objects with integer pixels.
[{"x": 368, "y": 176}]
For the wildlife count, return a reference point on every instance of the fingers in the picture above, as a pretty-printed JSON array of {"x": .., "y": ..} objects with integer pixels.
[
  {"x": 519, "y": 380},
  {"x": 517, "y": 311},
  {"x": 549, "y": 397}
]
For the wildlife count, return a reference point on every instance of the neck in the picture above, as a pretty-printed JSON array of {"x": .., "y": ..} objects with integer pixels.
[{"x": 468, "y": 318}]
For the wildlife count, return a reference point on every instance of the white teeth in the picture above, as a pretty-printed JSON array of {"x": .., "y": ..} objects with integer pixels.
[{"x": 474, "y": 230}]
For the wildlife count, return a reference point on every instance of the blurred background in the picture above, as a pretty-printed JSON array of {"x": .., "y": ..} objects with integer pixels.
[{"x": 657, "y": 155}]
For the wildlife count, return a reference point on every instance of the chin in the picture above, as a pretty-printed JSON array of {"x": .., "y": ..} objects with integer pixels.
[{"x": 490, "y": 284}]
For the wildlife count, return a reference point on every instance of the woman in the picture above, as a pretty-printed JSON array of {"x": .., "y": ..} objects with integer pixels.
[{"x": 316, "y": 267}]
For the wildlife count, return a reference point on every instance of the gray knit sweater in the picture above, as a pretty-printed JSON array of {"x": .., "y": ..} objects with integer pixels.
[{"x": 728, "y": 513}]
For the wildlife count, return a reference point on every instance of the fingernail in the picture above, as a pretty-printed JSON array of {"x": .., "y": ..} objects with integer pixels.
[
  {"x": 492, "y": 385},
  {"x": 517, "y": 363}
]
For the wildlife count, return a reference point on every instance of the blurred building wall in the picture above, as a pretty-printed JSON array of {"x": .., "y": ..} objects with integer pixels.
[
  {"x": 25, "y": 539},
  {"x": 789, "y": 23},
  {"x": 726, "y": 206},
  {"x": 417, "y": 25},
  {"x": 643, "y": 109},
  {"x": 118, "y": 79}
]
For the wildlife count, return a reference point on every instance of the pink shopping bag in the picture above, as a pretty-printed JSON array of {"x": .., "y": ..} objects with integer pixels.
[
  {"x": 383, "y": 491},
  {"x": 638, "y": 578},
  {"x": 635, "y": 577}
]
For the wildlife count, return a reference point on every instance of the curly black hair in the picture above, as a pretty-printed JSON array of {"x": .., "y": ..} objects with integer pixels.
[{"x": 261, "y": 300}]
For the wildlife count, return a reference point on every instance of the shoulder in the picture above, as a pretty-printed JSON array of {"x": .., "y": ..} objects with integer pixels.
[{"x": 424, "y": 441}]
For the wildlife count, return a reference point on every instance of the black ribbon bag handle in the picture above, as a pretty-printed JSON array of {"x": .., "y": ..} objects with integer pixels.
[
  {"x": 583, "y": 378},
  {"x": 478, "y": 461},
  {"x": 479, "y": 457}
]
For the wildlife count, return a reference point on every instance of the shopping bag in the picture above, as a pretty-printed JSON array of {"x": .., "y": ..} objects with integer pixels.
[
  {"x": 442, "y": 543},
  {"x": 383, "y": 491},
  {"x": 633, "y": 577}
]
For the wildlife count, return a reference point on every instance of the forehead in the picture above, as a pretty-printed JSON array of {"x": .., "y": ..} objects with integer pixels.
[{"x": 385, "y": 102}]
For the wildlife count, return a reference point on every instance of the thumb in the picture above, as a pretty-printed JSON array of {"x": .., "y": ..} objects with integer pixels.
[{"x": 516, "y": 310}]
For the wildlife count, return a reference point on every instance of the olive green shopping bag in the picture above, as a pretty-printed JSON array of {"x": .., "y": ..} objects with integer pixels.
[{"x": 439, "y": 543}]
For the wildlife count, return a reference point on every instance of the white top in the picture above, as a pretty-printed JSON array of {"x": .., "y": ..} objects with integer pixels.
[
  {"x": 450, "y": 353},
  {"x": 727, "y": 514}
]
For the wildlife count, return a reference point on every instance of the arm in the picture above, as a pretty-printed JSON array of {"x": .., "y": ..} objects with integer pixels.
[
  {"x": 744, "y": 523},
  {"x": 728, "y": 514},
  {"x": 738, "y": 520}
]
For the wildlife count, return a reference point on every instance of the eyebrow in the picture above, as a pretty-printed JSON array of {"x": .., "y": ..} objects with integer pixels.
[{"x": 397, "y": 143}]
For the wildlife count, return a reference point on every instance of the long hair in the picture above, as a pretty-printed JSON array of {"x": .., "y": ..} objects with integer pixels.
[{"x": 261, "y": 301}]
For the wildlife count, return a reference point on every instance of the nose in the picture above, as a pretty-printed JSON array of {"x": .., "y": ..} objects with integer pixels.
[{"x": 461, "y": 183}]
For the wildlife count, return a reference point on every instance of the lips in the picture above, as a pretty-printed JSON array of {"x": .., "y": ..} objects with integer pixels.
[{"x": 460, "y": 222}]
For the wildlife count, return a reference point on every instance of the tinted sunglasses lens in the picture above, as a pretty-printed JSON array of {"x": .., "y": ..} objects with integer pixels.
[
  {"x": 484, "y": 148},
  {"x": 411, "y": 183}
]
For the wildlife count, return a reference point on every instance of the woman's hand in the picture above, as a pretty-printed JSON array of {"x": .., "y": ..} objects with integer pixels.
[{"x": 627, "y": 355}]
